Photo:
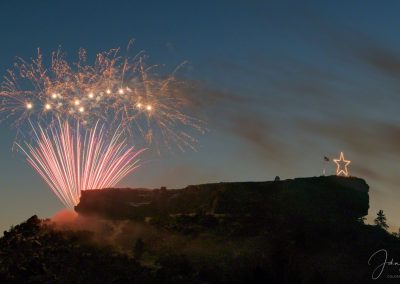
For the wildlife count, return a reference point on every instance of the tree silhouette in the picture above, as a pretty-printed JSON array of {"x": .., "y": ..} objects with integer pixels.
[
  {"x": 362, "y": 220},
  {"x": 138, "y": 249},
  {"x": 396, "y": 234},
  {"x": 380, "y": 220}
]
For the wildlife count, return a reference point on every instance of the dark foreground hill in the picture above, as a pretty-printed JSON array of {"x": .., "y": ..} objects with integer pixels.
[{"x": 295, "y": 231}]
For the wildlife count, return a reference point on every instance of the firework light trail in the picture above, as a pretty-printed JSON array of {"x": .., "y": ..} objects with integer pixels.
[
  {"x": 59, "y": 105},
  {"x": 71, "y": 159},
  {"x": 114, "y": 89}
]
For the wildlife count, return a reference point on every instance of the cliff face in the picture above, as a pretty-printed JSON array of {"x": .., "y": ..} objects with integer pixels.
[{"x": 317, "y": 198}]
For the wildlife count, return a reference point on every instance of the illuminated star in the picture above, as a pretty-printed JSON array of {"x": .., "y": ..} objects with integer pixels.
[{"x": 342, "y": 166}]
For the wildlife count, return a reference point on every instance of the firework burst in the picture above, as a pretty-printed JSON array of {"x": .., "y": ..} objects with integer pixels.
[
  {"x": 71, "y": 159},
  {"x": 70, "y": 109},
  {"x": 114, "y": 89}
]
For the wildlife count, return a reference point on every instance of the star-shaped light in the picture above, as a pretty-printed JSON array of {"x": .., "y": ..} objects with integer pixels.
[{"x": 342, "y": 166}]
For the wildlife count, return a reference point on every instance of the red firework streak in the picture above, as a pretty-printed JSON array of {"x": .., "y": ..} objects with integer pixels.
[{"x": 71, "y": 160}]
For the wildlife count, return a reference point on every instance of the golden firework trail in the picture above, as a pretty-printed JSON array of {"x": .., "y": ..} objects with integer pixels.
[{"x": 114, "y": 89}]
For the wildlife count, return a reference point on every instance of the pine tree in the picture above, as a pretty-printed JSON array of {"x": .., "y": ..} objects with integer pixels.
[
  {"x": 138, "y": 249},
  {"x": 380, "y": 220}
]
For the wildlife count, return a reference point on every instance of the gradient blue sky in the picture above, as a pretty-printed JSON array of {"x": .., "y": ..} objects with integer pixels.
[{"x": 282, "y": 83}]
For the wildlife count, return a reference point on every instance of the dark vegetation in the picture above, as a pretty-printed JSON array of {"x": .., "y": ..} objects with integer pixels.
[
  {"x": 298, "y": 231},
  {"x": 34, "y": 252}
]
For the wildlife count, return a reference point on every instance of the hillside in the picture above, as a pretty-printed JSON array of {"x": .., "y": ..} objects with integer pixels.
[{"x": 305, "y": 230}]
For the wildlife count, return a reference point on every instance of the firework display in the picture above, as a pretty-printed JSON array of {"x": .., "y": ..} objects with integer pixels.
[
  {"x": 77, "y": 119},
  {"x": 71, "y": 159},
  {"x": 114, "y": 89}
]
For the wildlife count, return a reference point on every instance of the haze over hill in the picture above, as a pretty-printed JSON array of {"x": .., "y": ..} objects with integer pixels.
[{"x": 307, "y": 230}]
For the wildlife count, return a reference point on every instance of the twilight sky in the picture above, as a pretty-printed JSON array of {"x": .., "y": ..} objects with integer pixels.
[{"x": 282, "y": 84}]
